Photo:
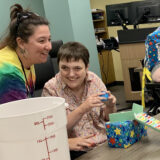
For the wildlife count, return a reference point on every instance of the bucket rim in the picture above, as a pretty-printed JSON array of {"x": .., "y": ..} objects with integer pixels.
[{"x": 3, "y": 106}]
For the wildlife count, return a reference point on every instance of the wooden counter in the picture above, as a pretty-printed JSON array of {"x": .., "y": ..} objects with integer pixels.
[{"x": 132, "y": 50}]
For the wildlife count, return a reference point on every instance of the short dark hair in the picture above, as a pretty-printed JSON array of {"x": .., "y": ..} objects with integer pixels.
[
  {"x": 73, "y": 50},
  {"x": 22, "y": 24}
]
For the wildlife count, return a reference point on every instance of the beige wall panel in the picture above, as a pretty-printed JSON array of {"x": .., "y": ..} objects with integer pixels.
[{"x": 132, "y": 51}]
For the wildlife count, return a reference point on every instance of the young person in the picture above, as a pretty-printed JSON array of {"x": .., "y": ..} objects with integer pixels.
[
  {"x": 82, "y": 90},
  {"x": 26, "y": 43}
]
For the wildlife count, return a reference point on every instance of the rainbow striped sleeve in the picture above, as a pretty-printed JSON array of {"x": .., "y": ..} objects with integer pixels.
[{"x": 12, "y": 83}]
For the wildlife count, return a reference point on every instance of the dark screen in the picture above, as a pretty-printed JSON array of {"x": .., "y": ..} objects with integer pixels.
[{"x": 133, "y": 13}]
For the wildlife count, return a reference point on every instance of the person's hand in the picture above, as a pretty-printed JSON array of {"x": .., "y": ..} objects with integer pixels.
[
  {"x": 110, "y": 105},
  {"x": 111, "y": 101},
  {"x": 81, "y": 143},
  {"x": 91, "y": 102}
]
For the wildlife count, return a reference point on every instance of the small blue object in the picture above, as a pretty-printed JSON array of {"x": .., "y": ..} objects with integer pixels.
[{"x": 106, "y": 95}]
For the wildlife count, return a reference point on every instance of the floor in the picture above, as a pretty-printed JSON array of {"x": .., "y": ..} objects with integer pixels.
[
  {"x": 118, "y": 92},
  {"x": 122, "y": 105}
]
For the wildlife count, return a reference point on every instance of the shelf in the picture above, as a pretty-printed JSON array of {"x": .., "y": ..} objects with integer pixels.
[
  {"x": 98, "y": 20},
  {"x": 98, "y": 11},
  {"x": 99, "y": 32}
]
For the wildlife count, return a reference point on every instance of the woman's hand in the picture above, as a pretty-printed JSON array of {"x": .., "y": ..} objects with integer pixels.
[
  {"x": 91, "y": 102},
  {"x": 111, "y": 101},
  {"x": 81, "y": 143},
  {"x": 75, "y": 116},
  {"x": 110, "y": 105}
]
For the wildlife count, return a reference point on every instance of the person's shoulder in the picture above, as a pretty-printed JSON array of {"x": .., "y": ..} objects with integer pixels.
[
  {"x": 8, "y": 65},
  {"x": 9, "y": 56},
  {"x": 94, "y": 78},
  {"x": 53, "y": 81},
  {"x": 155, "y": 34},
  {"x": 96, "y": 83},
  {"x": 92, "y": 75},
  {"x": 6, "y": 51}
]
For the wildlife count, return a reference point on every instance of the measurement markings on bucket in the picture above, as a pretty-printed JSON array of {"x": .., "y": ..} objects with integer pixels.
[
  {"x": 47, "y": 138},
  {"x": 43, "y": 122}
]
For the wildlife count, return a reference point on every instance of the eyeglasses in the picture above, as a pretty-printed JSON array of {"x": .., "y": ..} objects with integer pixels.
[{"x": 20, "y": 17}]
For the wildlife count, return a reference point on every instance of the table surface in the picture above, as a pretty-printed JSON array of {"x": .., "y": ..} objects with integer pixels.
[{"x": 148, "y": 148}]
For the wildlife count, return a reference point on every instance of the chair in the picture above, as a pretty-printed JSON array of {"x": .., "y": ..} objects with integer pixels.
[
  {"x": 44, "y": 72},
  {"x": 150, "y": 92},
  {"x": 53, "y": 53},
  {"x": 153, "y": 90},
  {"x": 55, "y": 47},
  {"x": 47, "y": 70}
]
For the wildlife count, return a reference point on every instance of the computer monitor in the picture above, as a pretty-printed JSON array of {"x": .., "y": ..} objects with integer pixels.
[
  {"x": 149, "y": 12},
  {"x": 133, "y": 13},
  {"x": 114, "y": 12}
]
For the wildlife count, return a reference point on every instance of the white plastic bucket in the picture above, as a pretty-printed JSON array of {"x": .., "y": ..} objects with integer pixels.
[{"x": 34, "y": 129}]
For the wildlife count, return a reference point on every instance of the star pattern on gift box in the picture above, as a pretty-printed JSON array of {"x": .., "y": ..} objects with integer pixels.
[
  {"x": 132, "y": 133},
  {"x": 117, "y": 131},
  {"x": 112, "y": 140},
  {"x": 126, "y": 146},
  {"x": 124, "y": 134},
  {"x": 120, "y": 140},
  {"x": 108, "y": 126},
  {"x": 145, "y": 127}
]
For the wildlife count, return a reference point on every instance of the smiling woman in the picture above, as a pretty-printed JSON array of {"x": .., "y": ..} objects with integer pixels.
[
  {"x": 73, "y": 74},
  {"x": 37, "y": 46},
  {"x": 87, "y": 110},
  {"x": 27, "y": 43}
]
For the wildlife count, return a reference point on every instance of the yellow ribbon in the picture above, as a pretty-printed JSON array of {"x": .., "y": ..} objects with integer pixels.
[{"x": 146, "y": 73}]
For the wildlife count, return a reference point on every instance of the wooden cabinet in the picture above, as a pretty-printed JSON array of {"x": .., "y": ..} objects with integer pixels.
[
  {"x": 131, "y": 54},
  {"x": 105, "y": 57}
]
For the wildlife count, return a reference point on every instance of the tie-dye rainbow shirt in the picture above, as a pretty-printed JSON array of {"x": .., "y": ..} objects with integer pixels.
[{"x": 12, "y": 79}]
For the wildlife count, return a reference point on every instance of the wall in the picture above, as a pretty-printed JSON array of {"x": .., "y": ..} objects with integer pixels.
[
  {"x": 34, "y": 5},
  {"x": 67, "y": 21},
  {"x": 113, "y": 32},
  {"x": 72, "y": 21}
]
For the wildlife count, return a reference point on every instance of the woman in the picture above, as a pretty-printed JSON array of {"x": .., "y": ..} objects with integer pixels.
[
  {"x": 152, "y": 58},
  {"x": 82, "y": 90},
  {"x": 27, "y": 43}
]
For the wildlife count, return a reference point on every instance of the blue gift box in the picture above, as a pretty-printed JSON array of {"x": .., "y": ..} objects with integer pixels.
[{"x": 124, "y": 134}]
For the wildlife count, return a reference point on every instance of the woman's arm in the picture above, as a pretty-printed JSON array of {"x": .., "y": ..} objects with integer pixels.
[
  {"x": 75, "y": 116},
  {"x": 12, "y": 88},
  {"x": 109, "y": 106}
]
